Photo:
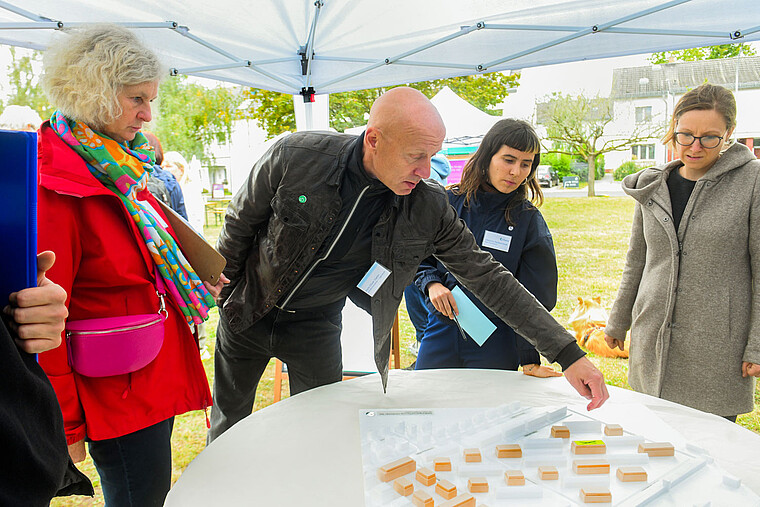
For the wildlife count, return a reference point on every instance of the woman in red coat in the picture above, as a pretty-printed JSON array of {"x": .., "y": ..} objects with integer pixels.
[{"x": 115, "y": 254}]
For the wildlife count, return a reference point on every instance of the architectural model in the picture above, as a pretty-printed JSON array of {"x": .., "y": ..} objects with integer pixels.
[{"x": 515, "y": 455}]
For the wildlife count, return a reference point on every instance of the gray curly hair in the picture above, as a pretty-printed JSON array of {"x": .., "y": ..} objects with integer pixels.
[{"x": 84, "y": 72}]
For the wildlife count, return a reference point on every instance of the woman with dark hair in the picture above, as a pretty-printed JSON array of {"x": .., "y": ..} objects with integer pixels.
[
  {"x": 688, "y": 292},
  {"x": 497, "y": 198}
]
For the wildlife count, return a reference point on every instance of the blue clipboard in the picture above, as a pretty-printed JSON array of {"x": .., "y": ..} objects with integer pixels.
[{"x": 18, "y": 217}]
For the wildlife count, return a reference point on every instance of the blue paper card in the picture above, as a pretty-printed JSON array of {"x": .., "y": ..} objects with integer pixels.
[
  {"x": 18, "y": 218},
  {"x": 473, "y": 321}
]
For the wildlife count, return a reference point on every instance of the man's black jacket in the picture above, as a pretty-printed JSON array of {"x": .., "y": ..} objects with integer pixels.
[{"x": 282, "y": 214}]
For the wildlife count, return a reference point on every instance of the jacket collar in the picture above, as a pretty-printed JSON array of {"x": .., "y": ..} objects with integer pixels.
[
  {"x": 643, "y": 185},
  {"x": 61, "y": 169}
]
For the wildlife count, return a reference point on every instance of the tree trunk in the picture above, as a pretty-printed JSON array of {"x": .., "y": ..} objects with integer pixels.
[{"x": 591, "y": 174}]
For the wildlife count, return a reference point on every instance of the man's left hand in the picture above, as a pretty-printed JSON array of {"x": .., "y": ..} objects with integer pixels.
[
  {"x": 214, "y": 290},
  {"x": 588, "y": 381}
]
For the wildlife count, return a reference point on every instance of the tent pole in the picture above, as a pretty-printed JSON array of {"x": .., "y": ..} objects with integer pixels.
[{"x": 313, "y": 115}]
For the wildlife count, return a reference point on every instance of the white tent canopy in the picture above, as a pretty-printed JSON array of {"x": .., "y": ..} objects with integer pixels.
[
  {"x": 337, "y": 45},
  {"x": 465, "y": 124}
]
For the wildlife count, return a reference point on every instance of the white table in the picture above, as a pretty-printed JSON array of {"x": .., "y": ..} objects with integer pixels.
[{"x": 306, "y": 450}]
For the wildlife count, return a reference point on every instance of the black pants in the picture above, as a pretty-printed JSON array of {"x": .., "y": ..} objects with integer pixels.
[
  {"x": 308, "y": 341},
  {"x": 135, "y": 469}
]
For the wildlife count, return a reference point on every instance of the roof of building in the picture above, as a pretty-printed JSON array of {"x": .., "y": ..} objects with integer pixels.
[{"x": 679, "y": 77}]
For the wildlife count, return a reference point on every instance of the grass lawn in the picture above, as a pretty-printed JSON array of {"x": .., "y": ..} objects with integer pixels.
[{"x": 591, "y": 240}]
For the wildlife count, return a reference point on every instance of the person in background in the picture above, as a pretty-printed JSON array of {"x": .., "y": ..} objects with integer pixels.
[
  {"x": 115, "y": 259},
  {"x": 689, "y": 287},
  {"x": 165, "y": 182},
  {"x": 190, "y": 183},
  {"x": 175, "y": 164},
  {"x": 497, "y": 198},
  {"x": 414, "y": 299},
  {"x": 36, "y": 465}
]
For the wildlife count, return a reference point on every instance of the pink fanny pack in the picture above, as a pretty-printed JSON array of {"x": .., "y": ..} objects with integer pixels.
[{"x": 116, "y": 345}]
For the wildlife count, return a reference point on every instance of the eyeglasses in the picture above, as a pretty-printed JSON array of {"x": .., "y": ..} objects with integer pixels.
[{"x": 685, "y": 139}]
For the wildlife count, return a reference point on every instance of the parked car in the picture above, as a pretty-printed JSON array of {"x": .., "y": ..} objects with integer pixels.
[{"x": 546, "y": 177}]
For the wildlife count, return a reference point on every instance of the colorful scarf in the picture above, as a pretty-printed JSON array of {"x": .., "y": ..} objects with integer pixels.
[{"x": 123, "y": 169}]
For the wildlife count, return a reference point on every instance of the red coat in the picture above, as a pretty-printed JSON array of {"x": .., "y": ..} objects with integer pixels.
[{"x": 105, "y": 268}]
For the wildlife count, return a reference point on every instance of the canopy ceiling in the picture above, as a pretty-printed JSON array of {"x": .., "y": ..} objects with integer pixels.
[{"x": 357, "y": 44}]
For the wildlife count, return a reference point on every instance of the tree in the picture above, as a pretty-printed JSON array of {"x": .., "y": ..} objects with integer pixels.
[
  {"x": 706, "y": 53},
  {"x": 191, "y": 117},
  {"x": 274, "y": 111},
  {"x": 576, "y": 126},
  {"x": 24, "y": 82}
]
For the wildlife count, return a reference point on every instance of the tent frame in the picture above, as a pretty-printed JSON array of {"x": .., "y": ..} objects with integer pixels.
[{"x": 305, "y": 54}]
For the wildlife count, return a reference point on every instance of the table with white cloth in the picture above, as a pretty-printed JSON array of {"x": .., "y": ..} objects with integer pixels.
[{"x": 306, "y": 450}]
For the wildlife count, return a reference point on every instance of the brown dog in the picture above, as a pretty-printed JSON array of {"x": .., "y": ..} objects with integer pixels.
[{"x": 588, "y": 320}]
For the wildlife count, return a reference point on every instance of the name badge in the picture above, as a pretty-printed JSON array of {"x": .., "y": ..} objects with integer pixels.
[
  {"x": 497, "y": 241},
  {"x": 374, "y": 278}
]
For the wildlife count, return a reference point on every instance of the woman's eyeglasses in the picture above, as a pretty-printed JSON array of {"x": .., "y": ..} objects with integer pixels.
[{"x": 685, "y": 139}]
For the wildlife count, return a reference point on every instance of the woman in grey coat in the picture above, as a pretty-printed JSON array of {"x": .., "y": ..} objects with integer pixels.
[{"x": 687, "y": 287}]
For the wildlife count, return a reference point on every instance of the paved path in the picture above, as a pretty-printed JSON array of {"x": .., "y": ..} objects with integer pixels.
[{"x": 605, "y": 186}]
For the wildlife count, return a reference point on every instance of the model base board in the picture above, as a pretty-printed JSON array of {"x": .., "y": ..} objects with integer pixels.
[{"x": 448, "y": 453}]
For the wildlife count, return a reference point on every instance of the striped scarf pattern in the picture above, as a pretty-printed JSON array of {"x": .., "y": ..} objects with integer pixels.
[{"x": 123, "y": 169}]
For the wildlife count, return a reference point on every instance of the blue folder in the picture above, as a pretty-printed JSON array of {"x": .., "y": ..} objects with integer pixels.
[{"x": 18, "y": 212}]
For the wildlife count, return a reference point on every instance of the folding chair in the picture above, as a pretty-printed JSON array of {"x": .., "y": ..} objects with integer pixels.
[{"x": 357, "y": 345}]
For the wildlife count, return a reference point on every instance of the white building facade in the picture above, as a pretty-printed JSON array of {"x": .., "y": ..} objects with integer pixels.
[{"x": 647, "y": 95}]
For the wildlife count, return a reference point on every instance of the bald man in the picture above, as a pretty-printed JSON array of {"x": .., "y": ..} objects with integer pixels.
[{"x": 324, "y": 216}]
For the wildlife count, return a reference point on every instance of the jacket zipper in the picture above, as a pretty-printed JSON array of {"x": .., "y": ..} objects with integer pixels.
[{"x": 327, "y": 254}]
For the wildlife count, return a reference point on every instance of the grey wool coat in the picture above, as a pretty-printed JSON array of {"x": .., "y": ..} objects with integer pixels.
[{"x": 687, "y": 295}]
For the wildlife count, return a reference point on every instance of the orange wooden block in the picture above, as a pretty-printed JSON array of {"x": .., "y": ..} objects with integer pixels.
[
  {"x": 422, "y": 498},
  {"x": 591, "y": 466},
  {"x": 446, "y": 489},
  {"x": 514, "y": 478},
  {"x": 396, "y": 469},
  {"x": 588, "y": 447},
  {"x": 463, "y": 500},
  {"x": 472, "y": 456},
  {"x": 596, "y": 494},
  {"x": 632, "y": 474},
  {"x": 657, "y": 449},
  {"x": 508, "y": 451},
  {"x": 425, "y": 476},
  {"x": 548, "y": 473},
  {"x": 403, "y": 486},
  {"x": 442, "y": 465},
  {"x": 560, "y": 431},
  {"x": 477, "y": 485},
  {"x": 613, "y": 430}
]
